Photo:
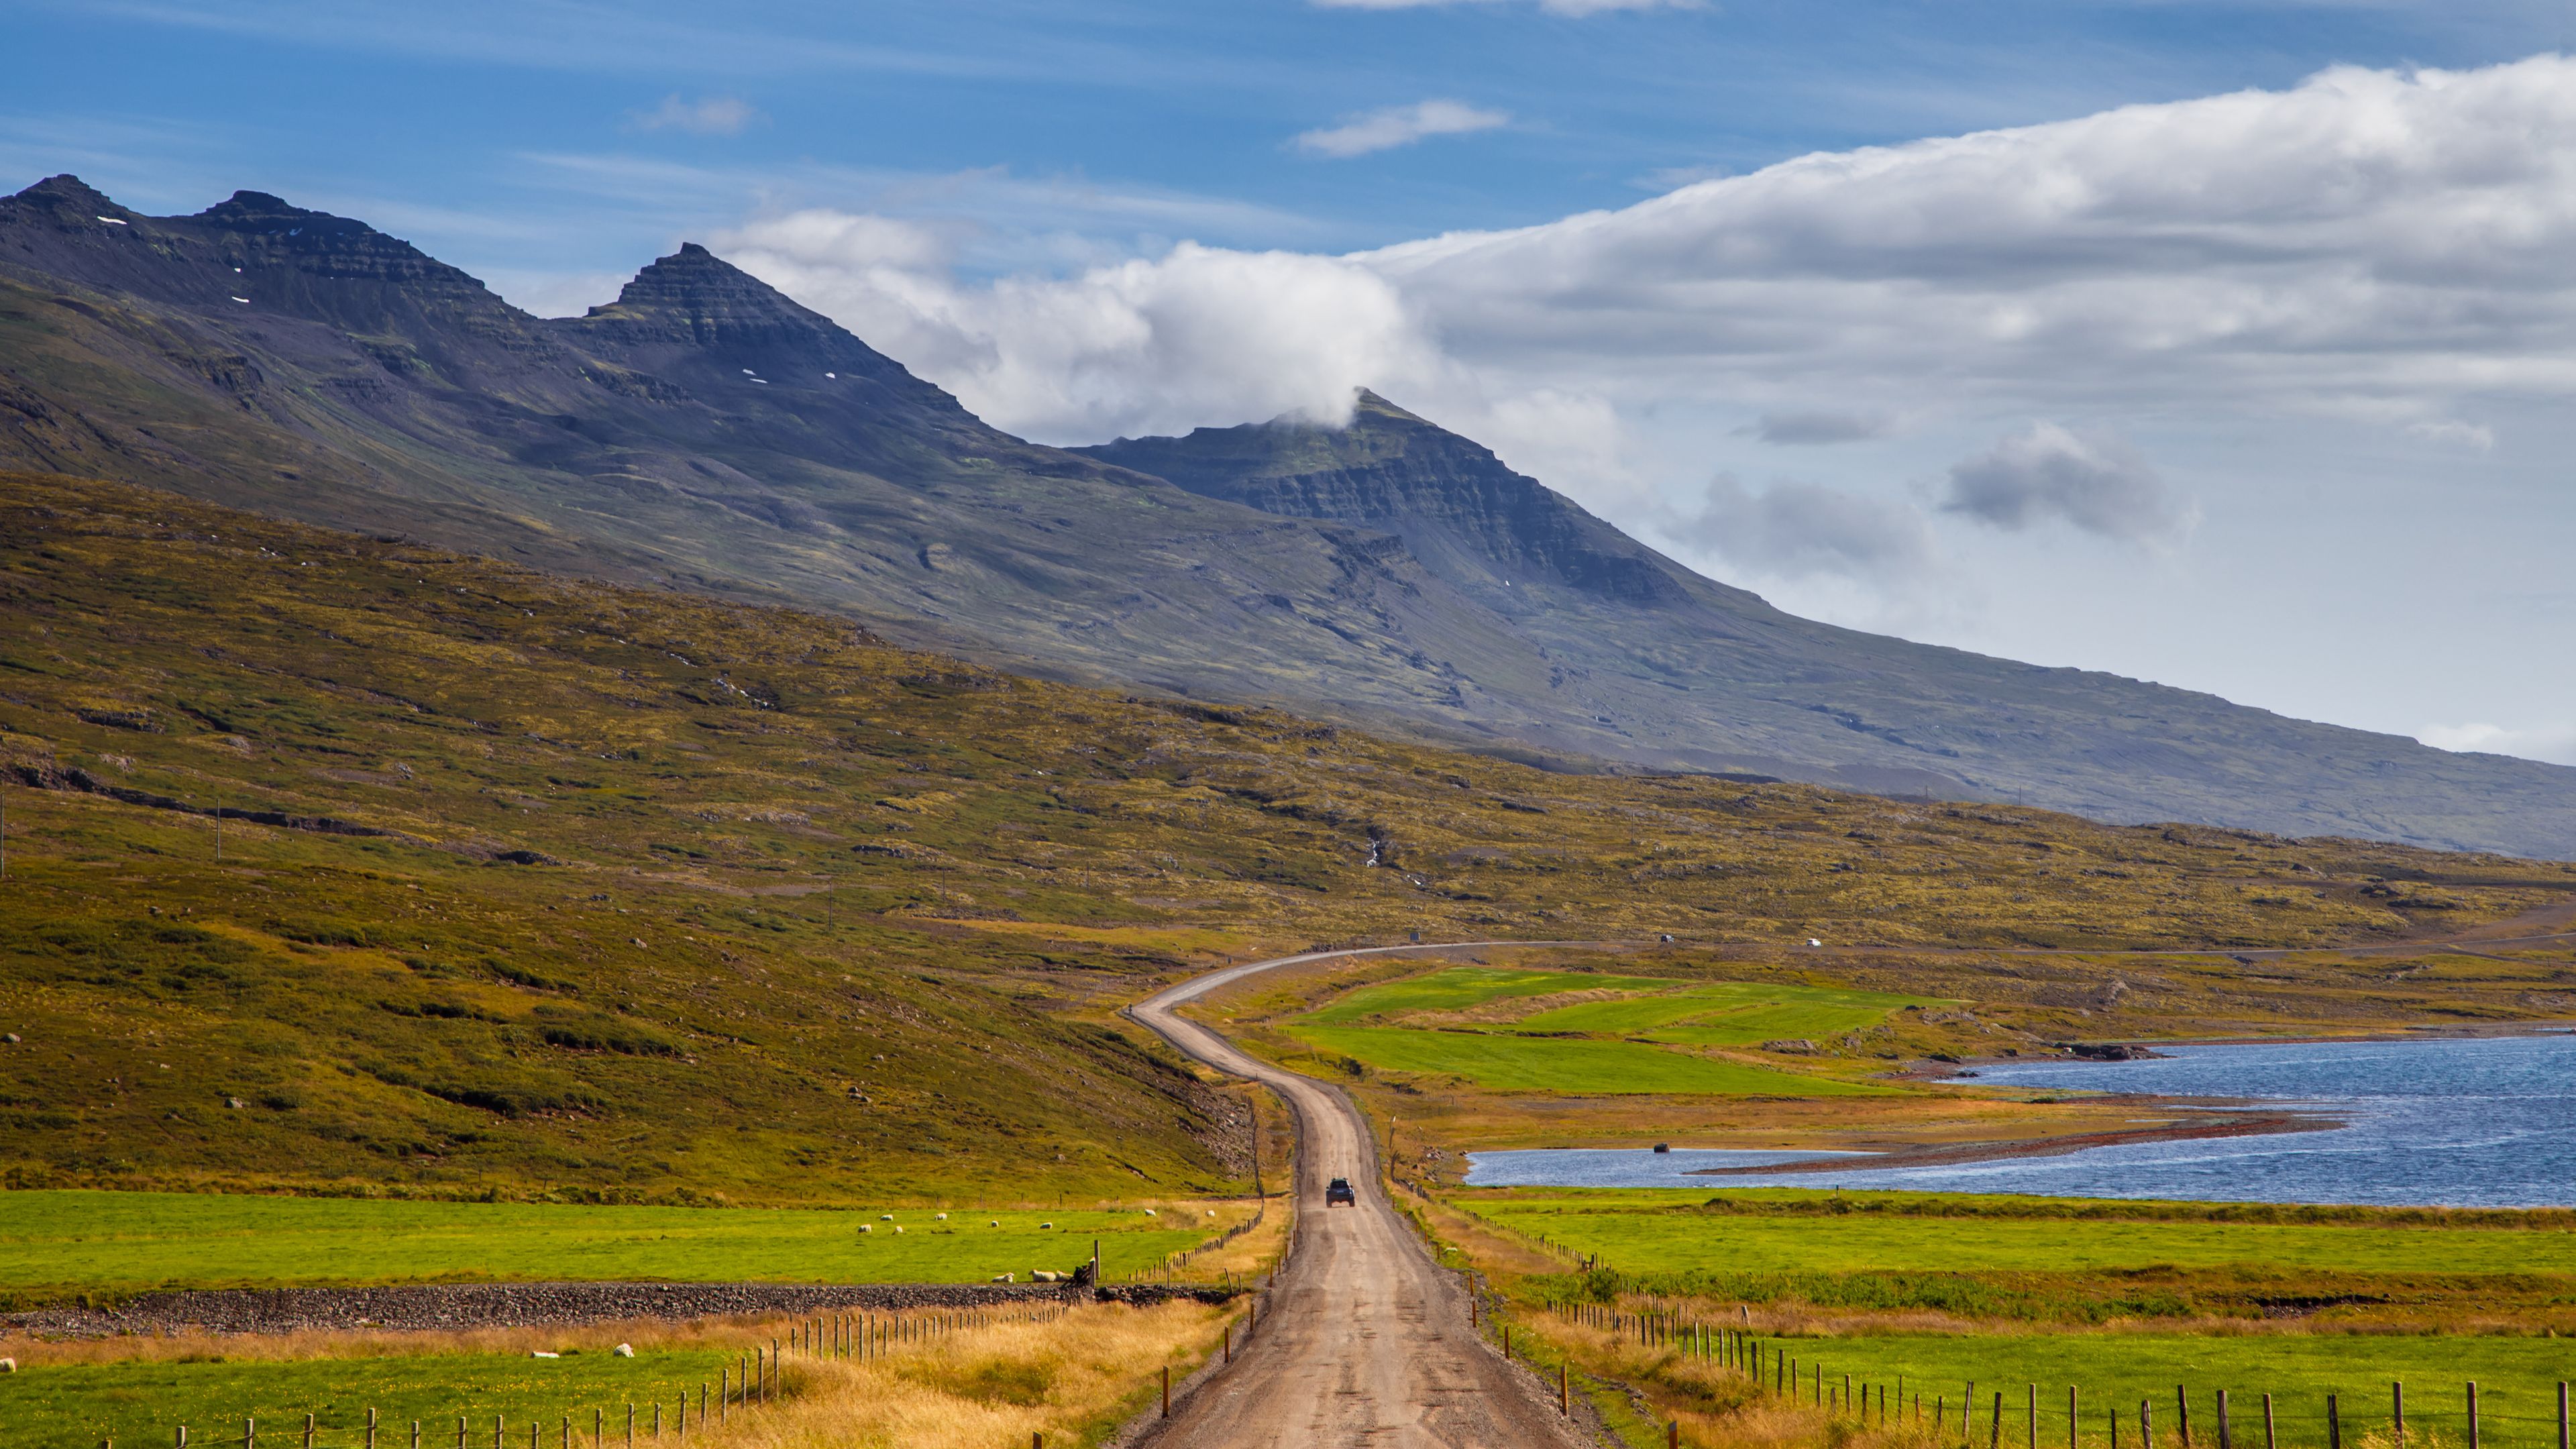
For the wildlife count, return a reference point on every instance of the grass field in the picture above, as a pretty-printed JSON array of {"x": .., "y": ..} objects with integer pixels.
[
  {"x": 1731, "y": 1013},
  {"x": 1672, "y": 1237},
  {"x": 1480, "y": 1021},
  {"x": 1530, "y": 1064},
  {"x": 79, "y": 1406},
  {"x": 125, "y": 1241},
  {"x": 2517, "y": 1379}
]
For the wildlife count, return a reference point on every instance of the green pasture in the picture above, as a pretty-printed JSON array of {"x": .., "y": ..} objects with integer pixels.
[
  {"x": 1539, "y": 1064},
  {"x": 2517, "y": 1379},
  {"x": 1460, "y": 987},
  {"x": 1644, "y": 1239},
  {"x": 1729, "y": 1013},
  {"x": 131, "y": 1240},
  {"x": 84, "y": 1405}
]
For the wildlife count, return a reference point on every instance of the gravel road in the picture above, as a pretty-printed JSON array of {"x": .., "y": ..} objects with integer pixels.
[{"x": 1365, "y": 1342}]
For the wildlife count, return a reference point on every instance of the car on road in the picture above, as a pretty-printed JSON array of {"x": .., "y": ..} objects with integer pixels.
[{"x": 1339, "y": 1191}]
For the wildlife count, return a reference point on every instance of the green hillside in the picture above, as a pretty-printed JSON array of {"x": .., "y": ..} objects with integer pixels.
[{"x": 527, "y": 885}]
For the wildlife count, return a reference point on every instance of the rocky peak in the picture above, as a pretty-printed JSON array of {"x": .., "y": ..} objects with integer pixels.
[
  {"x": 1391, "y": 469},
  {"x": 695, "y": 296},
  {"x": 68, "y": 196}
]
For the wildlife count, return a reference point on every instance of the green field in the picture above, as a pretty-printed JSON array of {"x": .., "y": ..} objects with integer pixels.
[
  {"x": 1677, "y": 1239},
  {"x": 123, "y": 1241},
  {"x": 81, "y": 1406},
  {"x": 1460, "y": 987},
  {"x": 1729, "y": 1013},
  {"x": 2517, "y": 1380},
  {"x": 1533, "y": 1064},
  {"x": 1367, "y": 1026}
]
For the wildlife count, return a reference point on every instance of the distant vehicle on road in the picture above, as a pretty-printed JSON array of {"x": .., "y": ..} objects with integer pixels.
[{"x": 1339, "y": 1191}]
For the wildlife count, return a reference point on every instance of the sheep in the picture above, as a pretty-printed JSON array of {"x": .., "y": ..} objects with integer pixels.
[
  {"x": 1006, "y": 1277},
  {"x": 942, "y": 1217},
  {"x": 1041, "y": 1275},
  {"x": 867, "y": 1227},
  {"x": 624, "y": 1350}
]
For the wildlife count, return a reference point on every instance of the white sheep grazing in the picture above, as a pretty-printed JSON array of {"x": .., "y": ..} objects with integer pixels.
[
  {"x": 885, "y": 1217},
  {"x": 867, "y": 1227},
  {"x": 1149, "y": 1212},
  {"x": 1046, "y": 1225},
  {"x": 1006, "y": 1277},
  {"x": 997, "y": 1222},
  {"x": 624, "y": 1350},
  {"x": 943, "y": 1217}
]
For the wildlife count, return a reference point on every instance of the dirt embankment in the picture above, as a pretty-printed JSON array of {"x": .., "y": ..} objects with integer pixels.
[{"x": 454, "y": 1306}]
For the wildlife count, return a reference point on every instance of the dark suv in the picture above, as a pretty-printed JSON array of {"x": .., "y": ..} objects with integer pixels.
[{"x": 1339, "y": 1191}]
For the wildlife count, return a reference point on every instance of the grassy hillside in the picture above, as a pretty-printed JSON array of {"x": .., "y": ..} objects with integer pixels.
[{"x": 334, "y": 860}]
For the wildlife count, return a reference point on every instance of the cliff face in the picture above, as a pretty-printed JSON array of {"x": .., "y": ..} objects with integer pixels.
[{"x": 705, "y": 432}]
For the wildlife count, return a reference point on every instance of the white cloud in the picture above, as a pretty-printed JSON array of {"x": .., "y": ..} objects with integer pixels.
[
  {"x": 2098, "y": 484},
  {"x": 1392, "y": 126},
  {"x": 1796, "y": 530},
  {"x": 2555, "y": 744},
  {"x": 1199, "y": 334},
  {"x": 707, "y": 116}
]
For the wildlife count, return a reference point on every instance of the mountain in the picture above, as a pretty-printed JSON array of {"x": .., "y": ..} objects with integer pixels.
[{"x": 705, "y": 432}]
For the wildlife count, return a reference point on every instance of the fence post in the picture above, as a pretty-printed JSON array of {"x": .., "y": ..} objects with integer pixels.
[
  {"x": 2070, "y": 1416},
  {"x": 2146, "y": 1425},
  {"x": 2473, "y": 1414},
  {"x": 1565, "y": 1405},
  {"x": 2182, "y": 1415},
  {"x": 371, "y": 1430},
  {"x": 2033, "y": 1427},
  {"x": 2334, "y": 1424},
  {"x": 2397, "y": 1410},
  {"x": 2562, "y": 1414},
  {"x": 1167, "y": 1391},
  {"x": 308, "y": 1431},
  {"x": 2223, "y": 1442},
  {"x": 1995, "y": 1430},
  {"x": 2268, "y": 1441}
]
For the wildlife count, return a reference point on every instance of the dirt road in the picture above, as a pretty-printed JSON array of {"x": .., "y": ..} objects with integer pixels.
[{"x": 1366, "y": 1343}]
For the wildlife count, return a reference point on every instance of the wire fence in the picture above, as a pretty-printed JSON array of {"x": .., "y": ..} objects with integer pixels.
[
  {"x": 2026, "y": 1417},
  {"x": 755, "y": 1381}
]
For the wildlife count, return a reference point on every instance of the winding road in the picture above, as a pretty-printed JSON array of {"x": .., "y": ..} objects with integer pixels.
[{"x": 1365, "y": 1341}]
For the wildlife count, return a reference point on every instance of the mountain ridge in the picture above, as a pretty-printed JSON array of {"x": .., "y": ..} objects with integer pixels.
[{"x": 706, "y": 432}]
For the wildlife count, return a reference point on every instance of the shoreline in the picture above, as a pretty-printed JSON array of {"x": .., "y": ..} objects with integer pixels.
[{"x": 1954, "y": 1154}]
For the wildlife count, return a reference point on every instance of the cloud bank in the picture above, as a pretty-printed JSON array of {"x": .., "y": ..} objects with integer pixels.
[
  {"x": 2369, "y": 245},
  {"x": 1392, "y": 126}
]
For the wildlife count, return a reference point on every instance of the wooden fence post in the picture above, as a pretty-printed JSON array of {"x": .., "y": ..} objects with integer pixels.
[
  {"x": 2182, "y": 1415},
  {"x": 2032, "y": 1428},
  {"x": 1995, "y": 1430},
  {"x": 2562, "y": 1414},
  {"x": 308, "y": 1431},
  {"x": 1565, "y": 1404},
  {"x": 2146, "y": 1425},
  {"x": 1167, "y": 1391},
  {"x": 2334, "y": 1424},
  {"x": 2269, "y": 1442},
  {"x": 2070, "y": 1416},
  {"x": 2223, "y": 1442},
  {"x": 2397, "y": 1410},
  {"x": 2473, "y": 1414}
]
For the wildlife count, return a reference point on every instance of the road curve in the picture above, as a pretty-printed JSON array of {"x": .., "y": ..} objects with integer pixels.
[{"x": 1365, "y": 1342}]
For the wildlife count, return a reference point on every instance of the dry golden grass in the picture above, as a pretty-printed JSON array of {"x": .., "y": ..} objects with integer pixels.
[{"x": 1070, "y": 1381}]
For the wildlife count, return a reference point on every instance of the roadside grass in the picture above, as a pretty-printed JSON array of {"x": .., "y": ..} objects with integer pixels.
[
  {"x": 1533, "y": 1064},
  {"x": 1071, "y": 1376},
  {"x": 53, "y": 1242}
]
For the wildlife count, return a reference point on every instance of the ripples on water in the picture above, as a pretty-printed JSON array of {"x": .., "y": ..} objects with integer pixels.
[{"x": 2489, "y": 1122}]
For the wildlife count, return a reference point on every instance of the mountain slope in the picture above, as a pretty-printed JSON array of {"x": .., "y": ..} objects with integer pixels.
[
  {"x": 1666, "y": 667},
  {"x": 705, "y": 432}
]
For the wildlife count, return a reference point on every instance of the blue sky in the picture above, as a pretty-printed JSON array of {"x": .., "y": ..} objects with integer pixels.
[
  {"x": 2266, "y": 396},
  {"x": 516, "y": 137}
]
